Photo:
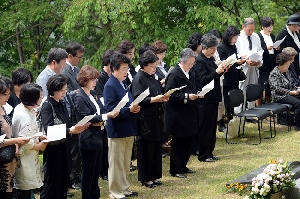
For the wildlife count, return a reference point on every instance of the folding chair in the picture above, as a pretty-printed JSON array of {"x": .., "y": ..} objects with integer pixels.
[
  {"x": 254, "y": 92},
  {"x": 236, "y": 97}
]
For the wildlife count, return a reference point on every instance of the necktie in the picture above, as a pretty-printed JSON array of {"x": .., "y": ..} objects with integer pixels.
[
  {"x": 125, "y": 84},
  {"x": 250, "y": 43}
]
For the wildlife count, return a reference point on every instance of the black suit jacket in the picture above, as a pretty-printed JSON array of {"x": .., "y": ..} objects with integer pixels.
[
  {"x": 206, "y": 72},
  {"x": 91, "y": 138},
  {"x": 102, "y": 79},
  {"x": 289, "y": 42},
  {"x": 180, "y": 118},
  {"x": 160, "y": 74},
  {"x": 68, "y": 72}
]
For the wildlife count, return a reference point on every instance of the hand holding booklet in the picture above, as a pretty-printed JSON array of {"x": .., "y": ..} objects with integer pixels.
[
  {"x": 253, "y": 55},
  {"x": 56, "y": 132},
  {"x": 142, "y": 96},
  {"x": 121, "y": 104},
  {"x": 206, "y": 88},
  {"x": 277, "y": 43},
  {"x": 173, "y": 90},
  {"x": 229, "y": 61},
  {"x": 85, "y": 120}
]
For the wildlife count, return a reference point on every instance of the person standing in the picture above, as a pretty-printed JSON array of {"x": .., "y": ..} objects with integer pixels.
[
  {"x": 181, "y": 113},
  {"x": 247, "y": 41}
]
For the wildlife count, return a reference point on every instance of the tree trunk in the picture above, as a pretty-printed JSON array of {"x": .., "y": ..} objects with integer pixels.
[{"x": 19, "y": 47}]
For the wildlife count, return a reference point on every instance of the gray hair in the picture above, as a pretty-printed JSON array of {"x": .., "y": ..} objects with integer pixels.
[
  {"x": 290, "y": 51},
  {"x": 209, "y": 40},
  {"x": 185, "y": 54},
  {"x": 248, "y": 21}
]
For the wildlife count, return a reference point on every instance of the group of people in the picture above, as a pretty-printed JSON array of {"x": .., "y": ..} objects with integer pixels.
[{"x": 64, "y": 94}]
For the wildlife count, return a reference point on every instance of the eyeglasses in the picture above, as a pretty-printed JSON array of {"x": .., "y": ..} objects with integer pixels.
[
  {"x": 79, "y": 57},
  {"x": 95, "y": 80}
]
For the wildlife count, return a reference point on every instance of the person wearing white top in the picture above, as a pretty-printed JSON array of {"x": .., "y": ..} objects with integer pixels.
[
  {"x": 28, "y": 174},
  {"x": 247, "y": 41}
]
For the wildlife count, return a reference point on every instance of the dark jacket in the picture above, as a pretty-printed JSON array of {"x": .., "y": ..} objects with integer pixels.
[
  {"x": 152, "y": 112},
  {"x": 56, "y": 157},
  {"x": 13, "y": 100},
  {"x": 72, "y": 76},
  {"x": 289, "y": 42},
  {"x": 180, "y": 118},
  {"x": 125, "y": 124},
  {"x": 206, "y": 72},
  {"x": 230, "y": 77},
  {"x": 91, "y": 138},
  {"x": 160, "y": 74},
  {"x": 132, "y": 72},
  {"x": 102, "y": 79},
  {"x": 269, "y": 60}
]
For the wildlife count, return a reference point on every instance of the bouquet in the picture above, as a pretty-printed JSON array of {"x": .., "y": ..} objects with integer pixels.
[{"x": 276, "y": 177}]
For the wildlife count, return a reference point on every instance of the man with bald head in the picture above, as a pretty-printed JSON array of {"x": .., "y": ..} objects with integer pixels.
[{"x": 247, "y": 41}]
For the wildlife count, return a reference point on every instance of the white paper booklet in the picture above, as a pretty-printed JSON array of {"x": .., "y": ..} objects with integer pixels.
[
  {"x": 206, "y": 88},
  {"x": 253, "y": 55},
  {"x": 56, "y": 132},
  {"x": 85, "y": 120},
  {"x": 230, "y": 60},
  {"x": 142, "y": 96},
  {"x": 173, "y": 90},
  {"x": 121, "y": 104},
  {"x": 277, "y": 43}
]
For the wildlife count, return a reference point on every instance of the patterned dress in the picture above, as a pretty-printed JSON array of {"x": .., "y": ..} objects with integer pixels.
[{"x": 7, "y": 171}]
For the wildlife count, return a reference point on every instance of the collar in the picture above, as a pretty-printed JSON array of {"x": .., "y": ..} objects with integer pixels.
[
  {"x": 52, "y": 72},
  {"x": 184, "y": 72}
]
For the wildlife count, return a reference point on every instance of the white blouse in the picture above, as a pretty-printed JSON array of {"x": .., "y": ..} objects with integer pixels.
[{"x": 28, "y": 172}]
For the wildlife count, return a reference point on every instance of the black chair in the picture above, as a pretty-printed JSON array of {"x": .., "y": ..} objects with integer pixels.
[
  {"x": 236, "y": 97},
  {"x": 289, "y": 106},
  {"x": 254, "y": 92}
]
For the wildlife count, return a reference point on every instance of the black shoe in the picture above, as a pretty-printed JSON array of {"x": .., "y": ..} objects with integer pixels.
[
  {"x": 222, "y": 128},
  {"x": 70, "y": 195},
  {"x": 76, "y": 186},
  {"x": 196, "y": 153},
  {"x": 158, "y": 183},
  {"x": 215, "y": 158},
  {"x": 131, "y": 194},
  {"x": 104, "y": 178},
  {"x": 208, "y": 160},
  {"x": 187, "y": 170},
  {"x": 179, "y": 175},
  {"x": 151, "y": 185},
  {"x": 133, "y": 168}
]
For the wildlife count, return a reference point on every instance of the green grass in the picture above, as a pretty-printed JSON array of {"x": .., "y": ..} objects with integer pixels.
[{"x": 210, "y": 178}]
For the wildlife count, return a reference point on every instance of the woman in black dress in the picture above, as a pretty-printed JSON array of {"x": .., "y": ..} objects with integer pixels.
[{"x": 149, "y": 145}]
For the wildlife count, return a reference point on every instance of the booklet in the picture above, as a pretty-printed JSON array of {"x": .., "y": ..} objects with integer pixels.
[
  {"x": 277, "y": 43},
  {"x": 121, "y": 104},
  {"x": 56, "y": 132},
  {"x": 173, "y": 90},
  {"x": 230, "y": 60},
  {"x": 206, "y": 88},
  {"x": 142, "y": 96},
  {"x": 85, "y": 120}
]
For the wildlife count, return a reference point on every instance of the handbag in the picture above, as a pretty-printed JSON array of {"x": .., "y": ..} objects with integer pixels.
[
  {"x": 241, "y": 75},
  {"x": 143, "y": 128},
  {"x": 7, "y": 153}
]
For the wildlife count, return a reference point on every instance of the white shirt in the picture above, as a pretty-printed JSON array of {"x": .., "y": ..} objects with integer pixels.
[
  {"x": 268, "y": 41},
  {"x": 104, "y": 116},
  {"x": 185, "y": 73},
  {"x": 162, "y": 69}
]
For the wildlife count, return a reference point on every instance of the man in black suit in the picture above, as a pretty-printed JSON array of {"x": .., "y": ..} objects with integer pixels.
[{"x": 75, "y": 53}]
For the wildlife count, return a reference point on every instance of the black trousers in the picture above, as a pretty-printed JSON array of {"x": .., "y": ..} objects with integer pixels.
[
  {"x": 207, "y": 130},
  {"x": 296, "y": 107},
  {"x": 91, "y": 165},
  {"x": 21, "y": 194},
  {"x": 149, "y": 160},
  {"x": 229, "y": 111},
  {"x": 55, "y": 186},
  {"x": 75, "y": 176},
  {"x": 104, "y": 162},
  {"x": 6, "y": 195},
  {"x": 180, "y": 154}
]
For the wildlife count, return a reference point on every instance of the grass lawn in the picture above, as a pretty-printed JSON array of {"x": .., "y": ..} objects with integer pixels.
[{"x": 210, "y": 178}]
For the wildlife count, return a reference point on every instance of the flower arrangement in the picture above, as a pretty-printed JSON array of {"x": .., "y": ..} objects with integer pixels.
[
  {"x": 237, "y": 188},
  {"x": 275, "y": 177}
]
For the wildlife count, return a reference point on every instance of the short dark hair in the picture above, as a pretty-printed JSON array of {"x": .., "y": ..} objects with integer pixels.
[
  {"x": 230, "y": 32},
  {"x": 209, "y": 40},
  {"x": 194, "y": 41},
  {"x": 106, "y": 57},
  {"x": 125, "y": 46},
  {"x": 159, "y": 47},
  {"x": 117, "y": 59},
  {"x": 21, "y": 76},
  {"x": 56, "y": 83},
  {"x": 56, "y": 54},
  {"x": 146, "y": 58},
  {"x": 215, "y": 32},
  {"x": 5, "y": 84},
  {"x": 86, "y": 74},
  {"x": 30, "y": 94},
  {"x": 266, "y": 22},
  {"x": 144, "y": 47},
  {"x": 73, "y": 47},
  {"x": 282, "y": 58}
]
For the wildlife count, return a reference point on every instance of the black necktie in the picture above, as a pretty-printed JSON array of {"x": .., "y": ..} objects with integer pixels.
[{"x": 250, "y": 43}]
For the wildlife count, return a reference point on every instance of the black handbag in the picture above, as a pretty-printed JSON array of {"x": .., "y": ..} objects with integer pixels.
[
  {"x": 241, "y": 75},
  {"x": 143, "y": 128},
  {"x": 7, "y": 153}
]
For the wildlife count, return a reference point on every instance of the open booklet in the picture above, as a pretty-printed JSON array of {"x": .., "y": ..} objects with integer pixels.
[
  {"x": 121, "y": 104},
  {"x": 253, "y": 55},
  {"x": 208, "y": 87},
  {"x": 229, "y": 61},
  {"x": 141, "y": 97},
  {"x": 277, "y": 43},
  {"x": 56, "y": 132},
  {"x": 85, "y": 120},
  {"x": 173, "y": 90}
]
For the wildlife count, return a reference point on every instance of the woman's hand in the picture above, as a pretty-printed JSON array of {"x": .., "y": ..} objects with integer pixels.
[
  {"x": 160, "y": 98},
  {"x": 77, "y": 129},
  {"x": 97, "y": 124},
  {"x": 270, "y": 47},
  {"x": 193, "y": 96},
  {"x": 294, "y": 93},
  {"x": 241, "y": 61},
  {"x": 113, "y": 115},
  {"x": 134, "y": 108},
  {"x": 21, "y": 140},
  {"x": 220, "y": 69},
  {"x": 162, "y": 82},
  {"x": 41, "y": 146},
  {"x": 43, "y": 137}
]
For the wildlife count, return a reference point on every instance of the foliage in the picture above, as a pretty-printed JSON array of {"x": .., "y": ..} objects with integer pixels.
[{"x": 276, "y": 177}]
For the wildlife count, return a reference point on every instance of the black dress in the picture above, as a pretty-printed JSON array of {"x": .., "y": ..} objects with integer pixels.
[{"x": 149, "y": 146}]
